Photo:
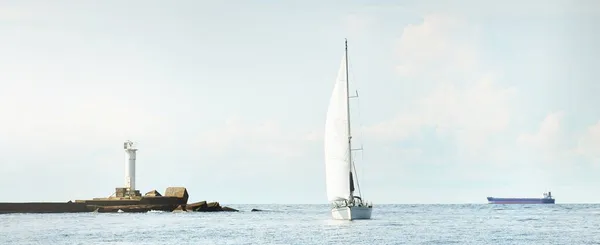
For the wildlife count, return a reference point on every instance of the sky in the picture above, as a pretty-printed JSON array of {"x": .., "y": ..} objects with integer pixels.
[{"x": 457, "y": 100}]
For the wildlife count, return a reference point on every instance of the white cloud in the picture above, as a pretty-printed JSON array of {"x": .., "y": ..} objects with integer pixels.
[
  {"x": 589, "y": 143},
  {"x": 546, "y": 150},
  {"x": 475, "y": 112},
  {"x": 547, "y": 137},
  {"x": 553, "y": 157},
  {"x": 551, "y": 145},
  {"x": 481, "y": 108},
  {"x": 466, "y": 105}
]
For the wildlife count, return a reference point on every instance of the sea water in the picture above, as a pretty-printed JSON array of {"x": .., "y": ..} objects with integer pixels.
[{"x": 311, "y": 224}]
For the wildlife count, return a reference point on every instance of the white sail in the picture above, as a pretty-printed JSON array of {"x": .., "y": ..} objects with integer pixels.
[
  {"x": 338, "y": 158},
  {"x": 337, "y": 164}
]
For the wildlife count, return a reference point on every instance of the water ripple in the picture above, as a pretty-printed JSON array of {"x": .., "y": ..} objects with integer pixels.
[{"x": 311, "y": 224}]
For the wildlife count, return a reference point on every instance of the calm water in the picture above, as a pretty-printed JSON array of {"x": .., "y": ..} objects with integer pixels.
[{"x": 311, "y": 224}]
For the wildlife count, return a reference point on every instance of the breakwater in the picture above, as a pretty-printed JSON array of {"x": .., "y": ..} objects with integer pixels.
[{"x": 174, "y": 200}]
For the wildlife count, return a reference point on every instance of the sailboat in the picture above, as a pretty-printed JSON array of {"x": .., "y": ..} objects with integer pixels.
[{"x": 340, "y": 171}]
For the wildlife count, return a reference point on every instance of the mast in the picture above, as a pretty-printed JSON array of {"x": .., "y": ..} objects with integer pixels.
[{"x": 348, "y": 118}]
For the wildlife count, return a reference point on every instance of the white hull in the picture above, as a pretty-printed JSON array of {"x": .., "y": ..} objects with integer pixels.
[{"x": 351, "y": 213}]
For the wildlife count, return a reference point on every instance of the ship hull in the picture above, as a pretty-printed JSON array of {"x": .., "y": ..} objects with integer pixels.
[
  {"x": 351, "y": 213},
  {"x": 496, "y": 200}
]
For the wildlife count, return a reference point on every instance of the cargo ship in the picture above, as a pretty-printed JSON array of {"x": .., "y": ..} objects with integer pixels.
[{"x": 547, "y": 199}]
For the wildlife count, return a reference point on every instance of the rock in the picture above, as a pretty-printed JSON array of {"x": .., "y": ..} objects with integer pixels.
[
  {"x": 180, "y": 208},
  {"x": 196, "y": 206},
  {"x": 153, "y": 193},
  {"x": 228, "y": 209},
  {"x": 179, "y": 192},
  {"x": 205, "y": 207},
  {"x": 255, "y": 210},
  {"x": 213, "y": 206}
]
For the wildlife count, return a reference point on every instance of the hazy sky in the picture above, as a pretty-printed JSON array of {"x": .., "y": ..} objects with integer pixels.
[{"x": 228, "y": 98}]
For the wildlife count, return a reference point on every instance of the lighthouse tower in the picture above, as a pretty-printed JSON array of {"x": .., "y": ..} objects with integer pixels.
[{"x": 130, "y": 168}]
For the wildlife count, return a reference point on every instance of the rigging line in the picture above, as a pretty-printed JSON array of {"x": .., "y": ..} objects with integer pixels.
[{"x": 362, "y": 157}]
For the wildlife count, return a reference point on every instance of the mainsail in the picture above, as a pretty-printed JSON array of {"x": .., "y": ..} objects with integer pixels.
[{"x": 337, "y": 152}]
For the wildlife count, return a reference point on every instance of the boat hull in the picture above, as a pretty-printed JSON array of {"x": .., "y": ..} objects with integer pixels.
[
  {"x": 496, "y": 200},
  {"x": 351, "y": 213}
]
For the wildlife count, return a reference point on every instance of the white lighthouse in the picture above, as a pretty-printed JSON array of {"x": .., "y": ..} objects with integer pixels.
[{"x": 130, "y": 167}]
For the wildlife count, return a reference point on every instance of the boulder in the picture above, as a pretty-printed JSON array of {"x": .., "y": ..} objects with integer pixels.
[
  {"x": 203, "y": 206},
  {"x": 180, "y": 208},
  {"x": 179, "y": 192},
  {"x": 255, "y": 210},
  {"x": 228, "y": 209},
  {"x": 153, "y": 193},
  {"x": 213, "y": 206},
  {"x": 197, "y": 206}
]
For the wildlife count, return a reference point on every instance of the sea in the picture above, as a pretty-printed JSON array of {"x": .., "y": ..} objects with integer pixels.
[{"x": 312, "y": 224}]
